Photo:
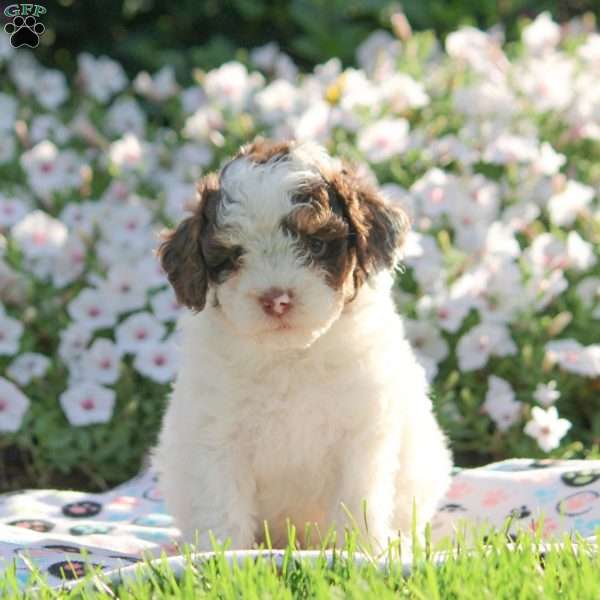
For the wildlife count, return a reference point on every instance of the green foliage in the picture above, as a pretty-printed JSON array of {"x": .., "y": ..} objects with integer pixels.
[{"x": 147, "y": 34}]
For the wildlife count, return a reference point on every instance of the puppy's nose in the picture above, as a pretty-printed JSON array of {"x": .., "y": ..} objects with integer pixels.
[{"x": 276, "y": 302}]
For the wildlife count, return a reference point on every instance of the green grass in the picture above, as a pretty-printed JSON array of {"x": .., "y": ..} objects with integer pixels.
[{"x": 491, "y": 568}]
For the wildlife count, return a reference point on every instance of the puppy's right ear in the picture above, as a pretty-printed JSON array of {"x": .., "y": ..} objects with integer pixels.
[{"x": 180, "y": 253}]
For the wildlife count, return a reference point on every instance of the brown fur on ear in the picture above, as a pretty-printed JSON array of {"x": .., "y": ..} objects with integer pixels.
[
  {"x": 378, "y": 229},
  {"x": 180, "y": 253}
]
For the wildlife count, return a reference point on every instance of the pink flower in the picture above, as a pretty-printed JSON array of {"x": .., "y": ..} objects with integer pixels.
[
  {"x": 137, "y": 331},
  {"x": 87, "y": 403},
  {"x": 92, "y": 309},
  {"x": 157, "y": 361},
  {"x": 384, "y": 139},
  {"x": 101, "y": 362}
]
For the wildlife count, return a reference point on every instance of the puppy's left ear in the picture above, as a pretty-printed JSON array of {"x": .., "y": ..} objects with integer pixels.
[{"x": 378, "y": 229}]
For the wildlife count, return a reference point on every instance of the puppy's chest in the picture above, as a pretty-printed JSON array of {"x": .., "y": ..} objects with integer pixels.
[{"x": 292, "y": 424}]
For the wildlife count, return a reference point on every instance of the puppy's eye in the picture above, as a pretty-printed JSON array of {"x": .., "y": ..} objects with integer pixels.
[{"x": 317, "y": 247}]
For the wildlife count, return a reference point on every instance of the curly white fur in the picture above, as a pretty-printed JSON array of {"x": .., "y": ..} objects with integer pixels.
[{"x": 267, "y": 424}]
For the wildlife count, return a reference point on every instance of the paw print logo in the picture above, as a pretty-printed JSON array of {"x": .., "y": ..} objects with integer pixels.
[{"x": 24, "y": 31}]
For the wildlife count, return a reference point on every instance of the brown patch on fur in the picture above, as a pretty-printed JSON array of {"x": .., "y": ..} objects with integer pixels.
[
  {"x": 262, "y": 151},
  {"x": 377, "y": 229},
  {"x": 181, "y": 254},
  {"x": 317, "y": 218}
]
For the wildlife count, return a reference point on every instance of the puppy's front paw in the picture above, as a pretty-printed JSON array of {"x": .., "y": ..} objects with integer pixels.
[{"x": 205, "y": 538}]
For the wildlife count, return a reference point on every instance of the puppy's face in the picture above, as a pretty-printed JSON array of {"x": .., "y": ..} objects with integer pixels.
[{"x": 279, "y": 242}]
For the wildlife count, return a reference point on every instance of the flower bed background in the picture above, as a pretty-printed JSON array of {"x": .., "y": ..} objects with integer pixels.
[{"x": 494, "y": 150}]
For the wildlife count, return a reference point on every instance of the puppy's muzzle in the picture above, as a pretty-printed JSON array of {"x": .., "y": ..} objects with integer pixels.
[{"x": 276, "y": 302}]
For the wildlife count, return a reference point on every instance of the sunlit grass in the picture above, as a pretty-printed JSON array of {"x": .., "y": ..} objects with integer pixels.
[{"x": 479, "y": 565}]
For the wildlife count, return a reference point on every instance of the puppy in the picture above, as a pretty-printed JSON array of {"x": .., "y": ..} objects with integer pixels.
[{"x": 298, "y": 397}]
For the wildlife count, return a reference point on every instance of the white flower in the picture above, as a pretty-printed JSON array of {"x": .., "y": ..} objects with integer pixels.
[
  {"x": 230, "y": 85},
  {"x": 429, "y": 364},
  {"x": 13, "y": 406},
  {"x": 150, "y": 272},
  {"x": 486, "y": 98},
  {"x": 588, "y": 291},
  {"x": 28, "y": 366},
  {"x": 87, "y": 403},
  {"x": 579, "y": 252},
  {"x": 500, "y": 403},
  {"x": 402, "y": 92},
  {"x": 125, "y": 287},
  {"x": 549, "y": 161},
  {"x": 542, "y": 34},
  {"x": 11, "y": 331},
  {"x": 40, "y": 235},
  {"x": 575, "y": 358},
  {"x": 566, "y": 205},
  {"x": 8, "y": 113},
  {"x": 482, "y": 341},
  {"x": 80, "y": 217},
  {"x": 543, "y": 288},
  {"x": 546, "y": 253},
  {"x": 436, "y": 192},
  {"x": 70, "y": 263},
  {"x": 264, "y": 57},
  {"x": 130, "y": 223},
  {"x": 384, "y": 139},
  {"x": 276, "y": 101},
  {"x": 508, "y": 148},
  {"x": 546, "y": 427},
  {"x": 12, "y": 210},
  {"x": 92, "y": 309},
  {"x": 165, "y": 306},
  {"x": 49, "y": 171},
  {"x": 204, "y": 124},
  {"x": 500, "y": 240},
  {"x": 478, "y": 49},
  {"x": 157, "y": 361},
  {"x": 547, "y": 82},
  {"x": 192, "y": 99},
  {"x": 101, "y": 362},
  {"x": 127, "y": 152},
  {"x": 426, "y": 339},
  {"x": 314, "y": 123},
  {"x": 161, "y": 86},
  {"x": 51, "y": 89},
  {"x": 377, "y": 51},
  {"x": 590, "y": 50},
  {"x": 125, "y": 116},
  {"x": 137, "y": 331},
  {"x": 546, "y": 393},
  {"x": 73, "y": 341},
  {"x": 101, "y": 77},
  {"x": 448, "y": 311}
]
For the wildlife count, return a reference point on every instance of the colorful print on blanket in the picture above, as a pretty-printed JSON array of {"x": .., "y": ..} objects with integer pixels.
[{"x": 63, "y": 532}]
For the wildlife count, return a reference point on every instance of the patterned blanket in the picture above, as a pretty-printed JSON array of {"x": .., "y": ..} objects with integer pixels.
[{"x": 61, "y": 531}]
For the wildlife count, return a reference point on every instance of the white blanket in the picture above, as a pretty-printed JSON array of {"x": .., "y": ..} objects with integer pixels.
[{"x": 60, "y": 531}]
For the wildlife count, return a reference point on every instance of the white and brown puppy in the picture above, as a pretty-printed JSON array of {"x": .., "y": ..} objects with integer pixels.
[{"x": 298, "y": 396}]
